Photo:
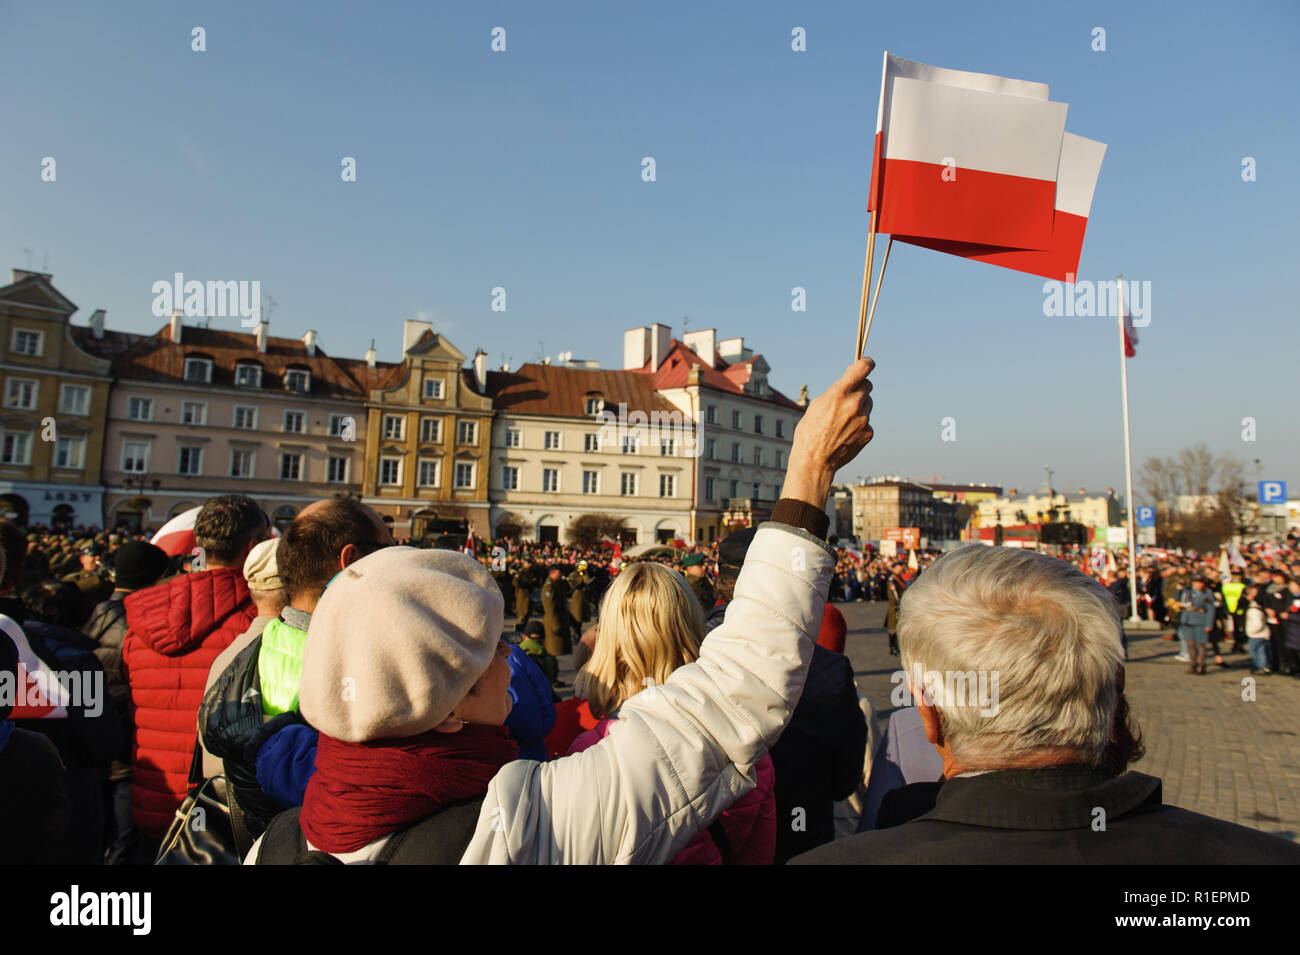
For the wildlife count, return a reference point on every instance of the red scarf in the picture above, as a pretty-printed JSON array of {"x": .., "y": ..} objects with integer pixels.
[{"x": 361, "y": 792}]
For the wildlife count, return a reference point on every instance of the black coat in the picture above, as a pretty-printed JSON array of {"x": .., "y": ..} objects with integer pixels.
[
  {"x": 818, "y": 758},
  {"x": 1049, "y": 817}
]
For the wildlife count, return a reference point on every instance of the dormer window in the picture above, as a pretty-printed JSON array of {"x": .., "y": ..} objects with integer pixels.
[
  {"x": 593, "y": 405},
  {"x": 248, "y": 376},
  {"x": 433, "y": 389},
  {"x": 198, "y": 370},
  {"x": 297, "y": 379}
]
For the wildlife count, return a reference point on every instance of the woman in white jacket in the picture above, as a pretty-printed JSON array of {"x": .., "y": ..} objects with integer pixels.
[{"x": 382, "y": 673}]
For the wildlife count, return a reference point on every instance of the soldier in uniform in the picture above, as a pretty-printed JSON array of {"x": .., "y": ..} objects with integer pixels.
[
  {"x": 92, "y": 580},
  {"x": 578, "y": 596},
  {"x": 555, "y": 612},
  {"x": 698, "y": 580},
  {"x": 524, "y": 580}
]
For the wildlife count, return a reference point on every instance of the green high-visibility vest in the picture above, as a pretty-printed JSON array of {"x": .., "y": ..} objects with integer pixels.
[
  {"x": 1231, "y": 594},
  {"x": 279, "y": 666}
]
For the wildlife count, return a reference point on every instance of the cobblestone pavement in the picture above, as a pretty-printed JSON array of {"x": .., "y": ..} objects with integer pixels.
[{"x": 1216, "y": 752}]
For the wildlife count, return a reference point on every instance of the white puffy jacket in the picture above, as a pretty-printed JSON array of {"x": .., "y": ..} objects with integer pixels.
[{"x": 682, "y": 752}]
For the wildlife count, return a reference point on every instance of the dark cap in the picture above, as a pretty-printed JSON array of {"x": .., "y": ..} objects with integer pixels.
[
  {"x": 733, "y": 548},
  {"x": 93, "y": 550},
  {"x": 139, "y": 564}
]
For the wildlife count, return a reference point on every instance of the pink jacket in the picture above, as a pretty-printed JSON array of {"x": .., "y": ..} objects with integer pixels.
[{"x": 750, "y": 822}]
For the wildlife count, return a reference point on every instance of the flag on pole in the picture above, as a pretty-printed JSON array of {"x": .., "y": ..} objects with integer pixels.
[
  {"x": 1130, "y": 334},
  {"x": 1080, "y": 165},
  {"x": 967, "y": 157},
  {"x": 912, "y": 562},
  {"x": 38, "y": 693},
  {"x": 176, "y": 537},
  {"x": 470, "y": 549}
]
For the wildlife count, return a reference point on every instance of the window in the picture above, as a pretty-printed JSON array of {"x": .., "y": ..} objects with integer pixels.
[
  {"x": 509, "y": 479},
  {"x": 16, "y": 448},
  {"x": 758, "y": 457},
  {"x": 70, "y": 453},
  {"x": 464, "y": 475},
  {"x": 629, "y": 443},
  {"x": 735, "y": 420},
  {"x": 290, "y": 466},
  {"x": 550, "y": 480},
  {"x": 780, "y": 428},
  {"x": 75, "y": 399},
  {"x": 390, "y": 471},
  {"x": 297, "y": 379},
  {"x": 666, "y": 447},
  {"x": 594, "y": 405},
  {"x": 711, "y": 414},
  {"x": 758, "y": 424},
  {"x": 135, "y": 456},
  {"x": 26, "y": 342},
  {"x": 551, "y": 440},
  {"x": 757, "y": 491},
  {"x": 431, "y": 430},
  {"x": 627, "y": 484},
  {"x": 343, "y": 426},
  {"x": 198, "y": 370},
  {"x": 778, "y": 458},
  {"x": 248, "y": 376},
  {"x": 241, "y": 463},
  {"x": 21, "y": 393},
  {"x": 733, "y": 488},
  {"x": 337, "y": 470},
  {"x": 139, "y": 409},
  {"x": 709, "y": 488},
  {"x": 245, "y": 418},
  {"x": 394, "y": 427},
  {"x": 295, "y": 422},
  {"x": 667, "y": 485},
  {"x": 429, "y": 472},
  {"x": 711, "y": 449},
  {"x": 735, "y": 451},
  {"x": 591, "y": 442},
  {"x": 194, "y": 413},
  {"x": 467, "y": 432},
  {"x": 433, "y": 389},
  {"x": 189, "y": 460},
  {"x": 590, "y": 482}
]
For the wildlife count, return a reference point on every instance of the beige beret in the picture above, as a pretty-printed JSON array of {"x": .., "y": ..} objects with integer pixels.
[{"x": 260, "y": 569}]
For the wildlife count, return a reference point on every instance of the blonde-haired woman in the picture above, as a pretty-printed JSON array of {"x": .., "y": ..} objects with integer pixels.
[{"x": 650, "y": 624}]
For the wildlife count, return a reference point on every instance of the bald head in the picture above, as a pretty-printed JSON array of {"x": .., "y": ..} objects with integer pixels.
[{"x": 325, "y": 537}]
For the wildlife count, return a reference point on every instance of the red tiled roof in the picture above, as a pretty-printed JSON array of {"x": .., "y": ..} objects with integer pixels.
[
  {"x": 558, "y": 391},
  {"x": 723, "y": 376}
]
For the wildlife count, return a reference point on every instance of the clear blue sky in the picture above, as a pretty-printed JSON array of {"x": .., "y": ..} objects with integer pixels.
[{"x": 523, "y": 170}]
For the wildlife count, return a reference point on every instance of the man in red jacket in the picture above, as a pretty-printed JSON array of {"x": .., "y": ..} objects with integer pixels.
[{"x": 174, "y": 631}]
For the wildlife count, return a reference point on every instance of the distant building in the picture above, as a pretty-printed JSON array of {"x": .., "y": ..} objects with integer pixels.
[
  {"x": 894, "y": 502},
  {"x": 1092, "y": 509}
]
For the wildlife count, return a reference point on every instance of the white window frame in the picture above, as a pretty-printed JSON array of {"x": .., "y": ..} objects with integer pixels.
[
  {"x": 780, "y": 427},
  {"x": 710, "y": 414},
  {"x": 591, "y": 442},
  {"x": 434, "y": 389},
  {"x": 73, "y": 441},
  {"x": 242, "y": 367},
  {"x": 65, "y": 390},
  {"x": 400, "y": 429},
  {"x": 557, "y": 445},
  {"x": 202, "y": 407},
  {"x": 551, "y": 476},
  {"x": 593, "y": 405},
  {"x": 252, "y": 463},
  {"x": 40, "y": 342},
  {"x": 627, "y": 479},
  {"x": 737, "y": 420},
  {"x": 711, "y": 448},
  {"x": 251, "y": 411},
  {"x": 302, "y": 461},
  {"x": 509, "y": 477},
  {"x": 473, "y": 475},
  {"x": 285, "y": 422},
  {"x": 147, "y": 402},
  {"x": 437, "y": 430},
  {"x": 180, "y": 454},
  {"x": 437, "y": 473},
  {"x": 473, "y": 426},
  {"x": 329, "y": 468},
  {"x": 514, "y": 438},
  {"x": 672, "y": 485},
  {"x": 590, "y": 482},
  {"x": 35, "y": 393},
  {"x": 386, "y": 459},
  {"x": 5, "y": 434},
  {"x": 291, "y": 373},
  {"x": 143, "y": 461},
  {"x": 207, "y": 371},
  {"x": 710, "y": 488},
  {"x": 667, "y": 448}
]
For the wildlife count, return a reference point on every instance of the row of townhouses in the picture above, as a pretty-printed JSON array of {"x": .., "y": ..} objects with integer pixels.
[{"x": 101, "y": 427}]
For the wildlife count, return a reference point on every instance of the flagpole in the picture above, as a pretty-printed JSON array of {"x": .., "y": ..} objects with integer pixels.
[
  {"x": 875, "y": 299},
  {"x": 866, "y": 287},
  {"x": 1128, "y": 464}
]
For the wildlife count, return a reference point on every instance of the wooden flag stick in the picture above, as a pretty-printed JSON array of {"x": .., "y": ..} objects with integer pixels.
[
  {"x": 866, "y": 288},
  {"x": 875, "y": 299}
]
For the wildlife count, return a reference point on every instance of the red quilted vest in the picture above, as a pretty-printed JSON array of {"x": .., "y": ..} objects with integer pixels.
[{"x": 174, "y": 632}]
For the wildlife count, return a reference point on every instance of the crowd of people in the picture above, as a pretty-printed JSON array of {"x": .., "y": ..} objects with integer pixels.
[{"x": 337, "y": 697}]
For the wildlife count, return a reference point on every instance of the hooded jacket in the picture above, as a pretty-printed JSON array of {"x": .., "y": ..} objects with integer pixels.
[{"x": 174, "y": 631}]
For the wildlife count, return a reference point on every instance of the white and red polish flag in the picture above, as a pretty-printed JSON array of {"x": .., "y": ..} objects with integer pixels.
[
  {"x": 965, "y": 157},
  {"x": 1076, "y": 181},
  {"x": 1130, "y": 335},
  {"x": 38, "y": 694}
]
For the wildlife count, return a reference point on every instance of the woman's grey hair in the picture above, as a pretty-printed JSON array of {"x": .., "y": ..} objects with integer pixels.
[{"x": 1038, "y": 633}]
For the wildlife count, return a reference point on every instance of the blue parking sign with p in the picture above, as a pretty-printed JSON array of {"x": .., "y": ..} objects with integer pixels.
[
  {"x": 1146, "y": 517},
  {"x": 1272, "y": 492}
]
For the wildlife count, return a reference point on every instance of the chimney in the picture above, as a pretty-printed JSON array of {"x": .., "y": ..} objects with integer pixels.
[
  {"x": 261, "y": 337},
  {"x": 412, "y": 329},
  {"x": 480, "y": 371},
  {"x": 309, "y": 341},
  {"x": 97, "y": 323},
  {"x": 661, "y": 339},
  {"x": 734, "y": 350},
  {"x": 176, "y": 327},
  {"x": 704, "y": 343},
  {"x": 636, "y": 348},
  {"x": 505, "y": 368},
  {"x": 370, "y": 354}
]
